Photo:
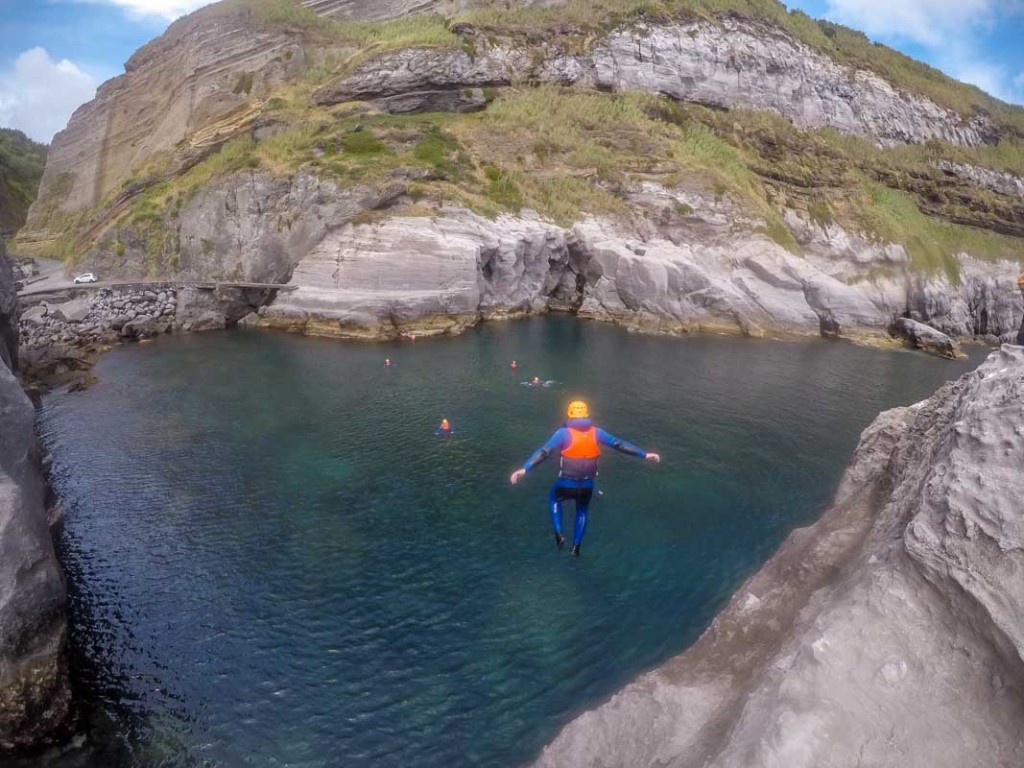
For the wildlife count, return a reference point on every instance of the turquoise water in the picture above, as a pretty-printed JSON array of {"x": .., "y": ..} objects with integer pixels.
[{"x": 274, "y": 561}]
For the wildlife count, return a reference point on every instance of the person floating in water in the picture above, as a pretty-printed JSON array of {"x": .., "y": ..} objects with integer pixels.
[
  {"x": 579, "y": 443},
  {"x": 513, "y": 365},
  {"x": 445, "y": 428},
  {"x": 387, "y": 362}
]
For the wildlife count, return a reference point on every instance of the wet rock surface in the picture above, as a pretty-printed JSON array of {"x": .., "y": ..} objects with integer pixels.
[{"x": 889, "y": 633}]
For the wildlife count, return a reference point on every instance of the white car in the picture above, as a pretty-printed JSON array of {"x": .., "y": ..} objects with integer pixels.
[{"x": 85, "y": 277}]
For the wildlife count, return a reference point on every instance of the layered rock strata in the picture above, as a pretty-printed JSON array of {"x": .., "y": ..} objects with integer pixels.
[
  {"x": 377, "y": 10},
  {"x": 734, "y": 63},
  {"x": 34, "y": 688},
  {"x": 665, "y": 273},
  {"x": 889, "y": 633},
  {"x": 181, "y": 96}
]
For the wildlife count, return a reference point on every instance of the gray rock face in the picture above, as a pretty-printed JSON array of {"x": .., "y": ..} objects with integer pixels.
[
  {"x": 34, "y": 689},
  {"x": 889, "y": 633},
  {"x": 735, "y": 63},
  {"x": 253, "y": 227},
  {"x": 1003, "y": 183},
  {"x": 423, "y": 275},
  {"x": 926, "y": 338},
  {"x": 742, "y": 64},
  {"x": 378, "y": 10},
  {"x": 444, "y": 273}
]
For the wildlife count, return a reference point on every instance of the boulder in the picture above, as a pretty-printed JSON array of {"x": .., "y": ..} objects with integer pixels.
[
  {"x": 927, "y": 339},
  {"x": 74, "y": 311}
]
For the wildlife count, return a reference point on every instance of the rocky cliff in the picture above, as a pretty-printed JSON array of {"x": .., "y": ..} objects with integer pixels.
[
  {"x": 733, "y": 63},
  {"x": 889, "y": 633},
  {"x": 34, "y": 688},
  {"x": 834, "y": 187}
]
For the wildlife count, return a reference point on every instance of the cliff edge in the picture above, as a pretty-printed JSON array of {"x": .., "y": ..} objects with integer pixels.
[{"x": 890, "y": 633}]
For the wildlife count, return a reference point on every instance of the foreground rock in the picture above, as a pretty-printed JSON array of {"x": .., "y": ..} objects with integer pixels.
[
  {"x": 890, "y": 633},
  {"x": 34, "y": 689}
]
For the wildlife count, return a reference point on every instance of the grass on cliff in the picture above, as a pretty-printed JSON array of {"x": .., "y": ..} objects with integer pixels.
[
  {"x": 568, "y": 152},
  {"x": 543, "y": 135},
  {"x": 846, "y": 46},
  {"x": 894, "y": 217},
  {"x": 405, "y": 32}
]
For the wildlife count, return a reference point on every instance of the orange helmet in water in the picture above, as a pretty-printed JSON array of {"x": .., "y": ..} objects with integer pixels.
[{"x": 578, "y": 410}]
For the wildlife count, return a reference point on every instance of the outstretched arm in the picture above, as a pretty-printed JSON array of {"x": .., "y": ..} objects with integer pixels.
[
  {"x": 622, "y": 446},
  {"x": 554, "y": 443}
]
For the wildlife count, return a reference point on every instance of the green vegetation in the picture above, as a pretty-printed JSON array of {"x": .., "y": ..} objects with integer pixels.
[
  {"x": 424, "y": 29},
  {"x": 894, "y": 217},
  {"x": 362, "y": 143},
  {"x": 21, "y": 168},
  {"x": 244, "y": 84}
]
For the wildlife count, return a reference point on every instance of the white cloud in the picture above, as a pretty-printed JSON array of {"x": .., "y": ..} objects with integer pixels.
[
  {"x": 929, "y": 22},
  {"x": 954, "y": 31},
  {"x": 164, "y": 9},
  {"x": 38, "y": 94}
]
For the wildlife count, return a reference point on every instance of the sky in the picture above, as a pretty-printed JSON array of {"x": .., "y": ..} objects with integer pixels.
[{"x": 54, "y": 53}]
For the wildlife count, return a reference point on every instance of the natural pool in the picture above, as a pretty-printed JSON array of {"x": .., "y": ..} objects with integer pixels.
[{"x": 275, "y": 562}]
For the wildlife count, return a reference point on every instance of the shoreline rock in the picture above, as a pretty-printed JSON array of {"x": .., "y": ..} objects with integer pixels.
[
  {"x": 927, "y": 339},
  {"x": 889, "y": 633}
]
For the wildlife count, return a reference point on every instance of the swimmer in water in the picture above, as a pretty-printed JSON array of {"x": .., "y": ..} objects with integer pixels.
[
  {"x": 387, "y": 362},
  {"x": 444, "y": 429},
  {"x": 513, "y": 365}
]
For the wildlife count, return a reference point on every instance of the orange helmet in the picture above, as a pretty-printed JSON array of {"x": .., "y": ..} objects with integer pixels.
[{"x": 578, "y": 410}]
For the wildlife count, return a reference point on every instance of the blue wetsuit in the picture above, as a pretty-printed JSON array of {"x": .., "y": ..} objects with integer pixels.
[{"x": 576, "y": 476}]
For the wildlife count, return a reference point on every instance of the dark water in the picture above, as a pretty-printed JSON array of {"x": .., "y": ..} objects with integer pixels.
[{"x": 274, "y": 561}]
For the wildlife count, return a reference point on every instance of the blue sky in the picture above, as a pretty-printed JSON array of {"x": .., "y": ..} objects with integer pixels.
[{"x": 53, "y": 53}]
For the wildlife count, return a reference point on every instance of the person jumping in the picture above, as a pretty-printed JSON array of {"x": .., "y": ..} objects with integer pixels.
[{"x": 579, "y": 443}]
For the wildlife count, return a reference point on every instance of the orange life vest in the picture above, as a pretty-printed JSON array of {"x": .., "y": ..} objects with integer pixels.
[{"x": 582, "y": 445}]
